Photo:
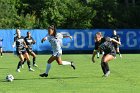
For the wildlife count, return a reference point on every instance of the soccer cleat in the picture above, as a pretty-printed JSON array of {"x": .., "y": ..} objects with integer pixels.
[
  {"x": 98, "y": 57},
  {"x": 30, "y": 69},
  {"x": 72, "y": 65},
  {"x": 120, "y": 56},
  {"x": 35, "y": 65},
  {"x": 107, "y": 74},
  {"x": 18, "y": 70},
  {"x": 43, "y": 75}
]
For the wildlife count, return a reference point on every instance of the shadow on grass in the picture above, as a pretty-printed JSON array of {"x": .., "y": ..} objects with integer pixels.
[
  {"x": 42, "y": 78},
  {"x": 3, "y": 68},
  {"x": 14, "y": 79},
  {"x": 62, "y": 77}
]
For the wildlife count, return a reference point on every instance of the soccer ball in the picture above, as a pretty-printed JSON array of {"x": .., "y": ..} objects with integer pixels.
[{"x": 9, "y": 78}]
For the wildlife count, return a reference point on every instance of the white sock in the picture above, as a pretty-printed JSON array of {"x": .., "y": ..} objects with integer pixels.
[
  {"x": 103, "y": 53},
  {"x": 66, "y": 63},
  {"x": 48, "y": 67},
  {"x": 97, "y": 54}
]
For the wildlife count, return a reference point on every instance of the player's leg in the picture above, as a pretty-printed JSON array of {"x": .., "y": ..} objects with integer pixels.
[
  {"x": 26, "y": 55},
  {"x": 22, "y": 65},
  {"x": 34, "y": 59},
  {"x": 48, "y": 66},
  {"x": 118, "y": 51},
  {"x": 21, "y": 57},
  {"x": 1, "y": 51},
  {"x": 104, "y": 64},
  {"x": 60, "y": 62}
]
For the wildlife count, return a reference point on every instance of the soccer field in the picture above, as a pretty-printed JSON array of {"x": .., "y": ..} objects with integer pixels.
[{"x": 87, "y": 78}]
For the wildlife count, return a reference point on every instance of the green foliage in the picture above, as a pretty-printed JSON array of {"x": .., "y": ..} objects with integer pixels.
[
  {"x": 27, "y": 21},
  {"x": 69, "y": 14},
  {"x": 8, "y": 13}
]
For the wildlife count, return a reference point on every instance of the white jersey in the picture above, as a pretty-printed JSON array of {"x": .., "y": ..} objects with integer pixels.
[{"x": 56, "y": 42}]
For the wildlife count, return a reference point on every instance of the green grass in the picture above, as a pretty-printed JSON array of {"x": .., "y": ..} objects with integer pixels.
[{"x": 87, "y": 78}]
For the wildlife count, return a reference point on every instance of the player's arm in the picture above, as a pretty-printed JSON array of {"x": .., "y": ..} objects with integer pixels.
[
  {"x": 67, "y": 37},
  {"x": 33, "y": 41},
  {"x": 93, "y": 55},
  {"x": 25, "y": 44},
  {"x": 96, "y": 49},
  {"x": 115, "y": 41},
  {"x": 119, "y": 39},
  {"x": 14, "y": 43},
  {"x": 43, "y": 39}
]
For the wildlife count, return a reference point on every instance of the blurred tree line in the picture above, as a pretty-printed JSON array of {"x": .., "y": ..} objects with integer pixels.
[{"x": 39, "y": 14}]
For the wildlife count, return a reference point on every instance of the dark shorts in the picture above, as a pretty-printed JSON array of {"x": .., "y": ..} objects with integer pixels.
[
  {"x": 21, "y": 51},
  {"x": 116, "y": 46},
  {"x": 29, "y": 50},
  {"x": 113, "y": 53}
]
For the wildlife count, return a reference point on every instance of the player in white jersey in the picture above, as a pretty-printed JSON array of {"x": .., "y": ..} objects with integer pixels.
[{"x": 56, "y": 41}]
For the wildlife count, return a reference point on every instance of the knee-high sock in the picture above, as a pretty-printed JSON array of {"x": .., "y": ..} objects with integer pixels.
[
  {"x": 66, "y": 63},
  {"x": 48, "y": 67},
  {"x": 34, "y": 59},
  {"x": 119, "y": 53},
  {"x": 103, "y": 67},
  {"x": 106, "y": 66},
  {"x": 19, "y": 64},
  {"x": 98, "y": 54},
  {"x": 29, "y": 64}
]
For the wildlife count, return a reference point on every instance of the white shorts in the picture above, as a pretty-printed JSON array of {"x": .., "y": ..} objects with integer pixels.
[{"x": 57, "y": 53}]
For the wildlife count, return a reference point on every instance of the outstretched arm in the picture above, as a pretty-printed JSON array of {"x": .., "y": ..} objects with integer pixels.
[
  {"x": 93, "y": 55},
  {"x": 67, "y": 37},
  {"x": 43, "y": 39},
  {"x": 14, "y": 44},
  {"x": 115, "y": 41}
]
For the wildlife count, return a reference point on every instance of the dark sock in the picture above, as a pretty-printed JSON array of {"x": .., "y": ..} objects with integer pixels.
[
  {"x": 119, "y": 53},
  {"x": 34, "y": 59},
  {"x": 24, "y": 61},
  {"x": 29, "y": 64},
  {"x": 103, "y": 67},
  {"x": 106, "y": 66},
  {"x": 19, "y": 64},
  {"x": 1, "y": 54}
]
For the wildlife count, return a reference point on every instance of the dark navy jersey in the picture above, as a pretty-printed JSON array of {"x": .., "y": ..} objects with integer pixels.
[
  {"x": 29, "y": 41},
  {"x": 105, "y": 45},
  {"x": 116, "y": 37},
  {"x": 19, "y": 42},
  {"x": 97, "y": 45}
]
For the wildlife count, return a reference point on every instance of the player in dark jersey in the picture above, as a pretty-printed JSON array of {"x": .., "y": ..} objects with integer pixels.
[
  {"x": 116, "y": 37},
  {"x": 96, "y": 47},
  {"x": 1, "y": 50},
  {"x": 21, "y": 50},
  {"x": 29, "y": 42},
  {"x": 105, "y": 44}
]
